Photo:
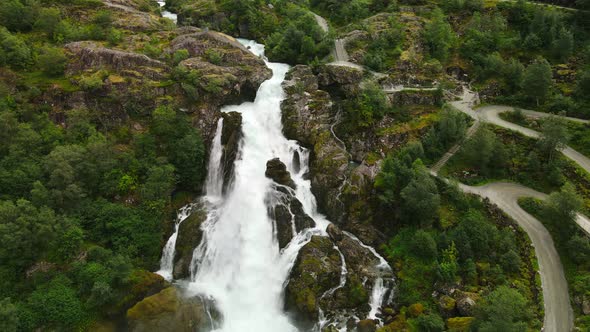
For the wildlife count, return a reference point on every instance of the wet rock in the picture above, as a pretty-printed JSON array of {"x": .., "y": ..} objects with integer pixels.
[
  {"x": 170, "y": 311},
  {"x": 277, "y": 171},
  {"x": 335, "y": 233},
  {"x": 231, "y": 135},
  {"x": 316, "y": 270},
  {"x": 287, "y": 212},
  {"x": 296, "y": 162},
  {"x": 189, "y": 237},
  {"x": 366, "y": 325}
]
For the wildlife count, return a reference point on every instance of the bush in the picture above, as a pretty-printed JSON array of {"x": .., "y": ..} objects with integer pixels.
[{"x": 52, "y": 61}]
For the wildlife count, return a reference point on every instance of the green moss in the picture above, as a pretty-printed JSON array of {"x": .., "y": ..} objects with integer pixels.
[{"x": 460, "y": 324}]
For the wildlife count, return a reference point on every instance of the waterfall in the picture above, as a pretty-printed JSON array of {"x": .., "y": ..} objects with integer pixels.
[
  {"x": 168, "y": 14},
  {"x": 383, "y": 282},
  {"x": 167, "y": 260},
  {"x": 238, "y": 263},
  {"x": 212, "y": 188}
]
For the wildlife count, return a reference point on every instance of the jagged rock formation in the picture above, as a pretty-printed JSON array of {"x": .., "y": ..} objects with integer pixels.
[{"x": 284, "y": 208}]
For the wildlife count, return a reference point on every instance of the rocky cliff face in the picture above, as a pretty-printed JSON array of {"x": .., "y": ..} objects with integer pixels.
[
  {"x": 117, "y": 83},
  {"x": 189, "y": 236},
  {"x": 310, "y": 117}
]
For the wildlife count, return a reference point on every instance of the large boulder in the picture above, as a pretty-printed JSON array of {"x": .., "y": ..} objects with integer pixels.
[
  {"x": 189, "y": 237},
  {"x": 170, "y": 311},
  {"x": 277, "y": 171},
  {"x": 316, "y": 270}
]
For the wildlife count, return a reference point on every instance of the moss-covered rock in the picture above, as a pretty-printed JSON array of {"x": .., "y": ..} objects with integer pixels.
[
  {"x": 142, "y": 284},
  {"x": 170, "y": 311},
  {"x": 287, "y": 212},
  {"x": 189, "y": 237},
  {"x": 447, "y": 305},
  {"x": 316, "y": 270},
  {"x": 460, "y": 324},
  {"x": 366, "y": 325}
]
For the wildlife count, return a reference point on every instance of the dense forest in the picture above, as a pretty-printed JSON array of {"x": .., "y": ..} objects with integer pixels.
[{"x": 108, "y": 113}]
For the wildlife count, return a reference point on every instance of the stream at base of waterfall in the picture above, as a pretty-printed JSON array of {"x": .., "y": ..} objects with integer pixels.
[{"x": 238, "y": 265}]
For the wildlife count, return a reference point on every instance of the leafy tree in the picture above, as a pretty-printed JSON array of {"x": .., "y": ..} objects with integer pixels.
[
  {"x": 52, "y": 61},
  {"x": 396, "y": 172},
  {"x": 14, "y": 51},
  {"x": 504, "y": 309},
  {"x": 439, "y": 36},
  {"x": 158, "y": 185},
  {"x": 56, "y": 304},
  {"x": 8, "y": 316},
  {"x": 420, "y": 197},
  {"x": 513, "y": 73},
  {"x": 579, "y": 249},
  {"x": 17, "y": 15},
  {"x": 448, "y": 267},
  {"x": 430, "y": 323},
  {"x": 48, "y": 21},
  {"x": 554, "y": 136},
  {"x": 561, "y": 207},
  {"x": 563, "y": 46},
  {"x": 188, "y": 157},
  {"x": 537, "y": 80},
  {"x": 424, "y": 245},
  {"x": 26, "y": 232},
  {"x": 448, "y": 131}
]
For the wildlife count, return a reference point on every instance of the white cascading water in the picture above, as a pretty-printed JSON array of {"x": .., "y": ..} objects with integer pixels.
[
  {"x": 380, "y": 289},
  {"x": 168, "y": 14},
  {"x": 238, "y": 264},
  {"x": 213, "y": 188},
  {"x": 167, "y": 260}
]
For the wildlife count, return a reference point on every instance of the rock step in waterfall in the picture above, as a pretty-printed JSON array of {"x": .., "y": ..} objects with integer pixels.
[{"x": 259, "y": 227}]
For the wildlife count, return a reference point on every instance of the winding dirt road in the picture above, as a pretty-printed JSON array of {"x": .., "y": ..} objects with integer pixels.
[{"x": 558, "y": 310}]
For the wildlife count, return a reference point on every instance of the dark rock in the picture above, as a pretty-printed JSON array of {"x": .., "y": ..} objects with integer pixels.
[
  {"x": 287, "y": 212},
  {"x": 296, "y": 162},
  {"x": 466, "y": 306},
  {"x": 277, "y": 171},
  {"x": 189, "y": 237},
  {"x": 334, "y": 232},
  {"x": 231, "y": 136}
]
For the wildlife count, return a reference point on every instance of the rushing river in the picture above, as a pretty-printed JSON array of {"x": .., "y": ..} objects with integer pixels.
[{"x": 238, "y": 264}]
